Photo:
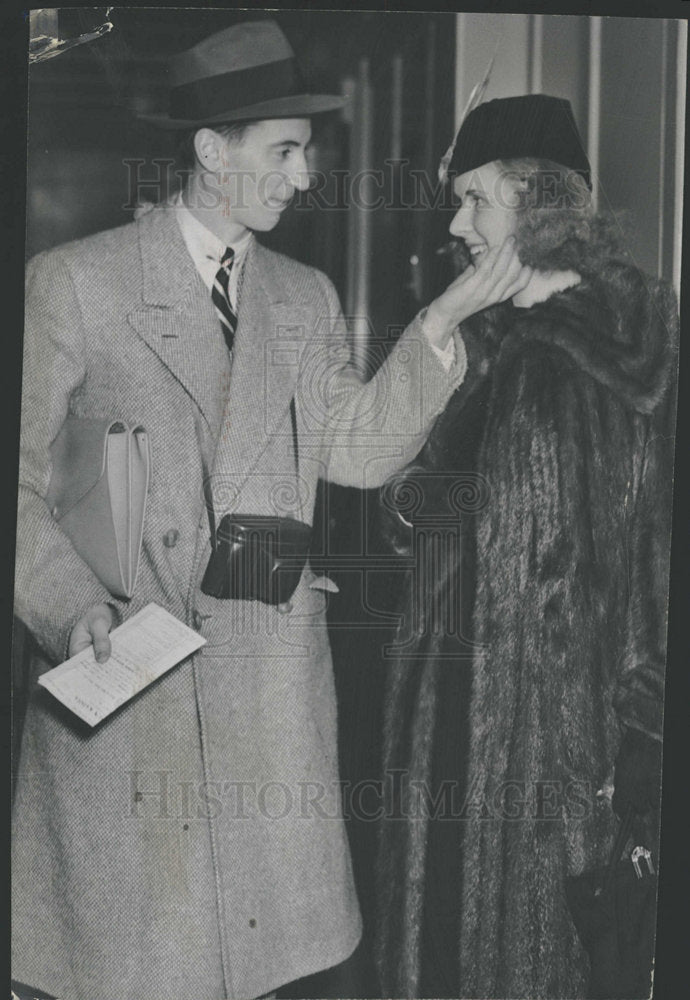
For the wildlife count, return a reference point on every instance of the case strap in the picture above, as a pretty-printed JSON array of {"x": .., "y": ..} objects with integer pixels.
[
  {"x": 295, "y": 443},
  {"x": 208, "y": 492}
]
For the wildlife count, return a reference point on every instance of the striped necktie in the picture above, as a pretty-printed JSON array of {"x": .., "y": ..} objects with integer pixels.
[{"x": 220, "y": 293}]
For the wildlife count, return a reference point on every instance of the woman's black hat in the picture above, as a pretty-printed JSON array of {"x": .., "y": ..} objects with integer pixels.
[{"x": 535, "y": 126}]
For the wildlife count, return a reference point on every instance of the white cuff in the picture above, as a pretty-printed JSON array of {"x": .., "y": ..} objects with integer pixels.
[{"x": 447, "y": 355}]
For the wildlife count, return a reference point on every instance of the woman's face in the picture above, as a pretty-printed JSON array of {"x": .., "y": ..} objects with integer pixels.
[{"x": 487, "y": 214}]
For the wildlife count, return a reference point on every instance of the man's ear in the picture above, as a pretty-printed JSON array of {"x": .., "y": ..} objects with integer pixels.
[{"x": 207, "y": 146}]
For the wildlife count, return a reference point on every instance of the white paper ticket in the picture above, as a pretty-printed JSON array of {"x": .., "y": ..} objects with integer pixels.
[{"x": 143, "y": 648}]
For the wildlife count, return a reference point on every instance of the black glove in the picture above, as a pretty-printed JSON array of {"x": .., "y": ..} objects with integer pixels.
[{"x": 637, "y": 778}]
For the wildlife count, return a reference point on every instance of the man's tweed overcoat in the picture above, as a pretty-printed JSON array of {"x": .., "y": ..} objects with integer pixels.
[{"x": 191, "y": 845}]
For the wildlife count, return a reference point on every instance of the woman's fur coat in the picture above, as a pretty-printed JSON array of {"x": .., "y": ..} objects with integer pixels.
[{"x": 568, "y": 631}]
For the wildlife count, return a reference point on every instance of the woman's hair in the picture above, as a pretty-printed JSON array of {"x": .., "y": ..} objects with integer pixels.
[{"x": 557, "y": 227}]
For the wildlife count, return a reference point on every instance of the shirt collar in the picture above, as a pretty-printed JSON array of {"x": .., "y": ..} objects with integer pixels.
[{"x": 203, "y": 245}]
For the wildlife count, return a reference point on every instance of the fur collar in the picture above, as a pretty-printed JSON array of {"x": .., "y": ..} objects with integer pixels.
[{"x": 620, "y": 327}]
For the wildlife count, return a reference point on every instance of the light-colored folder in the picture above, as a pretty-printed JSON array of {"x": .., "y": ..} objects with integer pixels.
[{"x": 97, "y": 494}]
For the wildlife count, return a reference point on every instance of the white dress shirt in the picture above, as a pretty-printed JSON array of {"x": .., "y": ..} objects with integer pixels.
[{"x": 206, "y": 250}]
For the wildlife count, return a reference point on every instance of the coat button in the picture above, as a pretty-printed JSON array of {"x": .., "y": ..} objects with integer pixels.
[
  {"x": 170, "y": 538},
  {"x": 198, "y": 619},
  {"x": 285, "y": 609}
]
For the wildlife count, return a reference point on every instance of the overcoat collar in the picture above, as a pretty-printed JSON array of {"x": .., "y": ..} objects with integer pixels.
[
  {"x": 177, "y": 319},
  {"x": 168, "y": 269},
  {"x": 179, "y": 323}
]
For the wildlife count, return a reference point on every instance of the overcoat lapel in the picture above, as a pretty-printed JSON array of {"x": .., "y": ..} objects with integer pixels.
[
  {"x": 178, "y": 321},
  {"x": 271, "y": 334}
]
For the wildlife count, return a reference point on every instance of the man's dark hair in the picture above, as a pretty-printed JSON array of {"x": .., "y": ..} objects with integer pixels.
[{"x": 185, "y": 156}]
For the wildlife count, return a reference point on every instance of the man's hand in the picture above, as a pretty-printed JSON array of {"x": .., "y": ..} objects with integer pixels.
[
  {"x": 498, "y": 276},
  {"x": 93, "y": 627}
]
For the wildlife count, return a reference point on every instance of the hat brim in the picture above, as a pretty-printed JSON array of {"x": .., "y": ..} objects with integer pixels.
[{"x": 294, "y": 106}]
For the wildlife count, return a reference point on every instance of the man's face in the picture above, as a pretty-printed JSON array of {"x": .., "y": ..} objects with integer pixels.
[{"x": 257, "y": 176}]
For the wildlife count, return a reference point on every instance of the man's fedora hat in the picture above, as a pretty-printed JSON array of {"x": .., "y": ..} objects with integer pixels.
[{"x": 245, "y": 72}]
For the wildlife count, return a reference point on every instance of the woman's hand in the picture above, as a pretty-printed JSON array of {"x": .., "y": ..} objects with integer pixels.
[
  {"x": 498, "y": 276},
  {"x": 93, "y": 627}
]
